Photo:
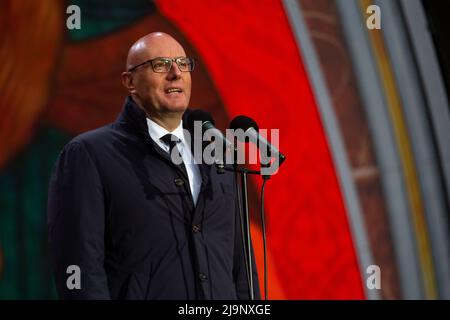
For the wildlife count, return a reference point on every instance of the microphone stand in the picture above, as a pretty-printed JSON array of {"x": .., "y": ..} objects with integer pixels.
[
  {"x": 244, "y": 216},
  {"x": 248, "y": 237}
]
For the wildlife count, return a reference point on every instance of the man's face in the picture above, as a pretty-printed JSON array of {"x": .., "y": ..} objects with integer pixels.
[{"x": 156, "y": 90}]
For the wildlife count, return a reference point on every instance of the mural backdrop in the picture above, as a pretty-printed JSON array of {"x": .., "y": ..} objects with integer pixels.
[{"x": 56, "y": 83}]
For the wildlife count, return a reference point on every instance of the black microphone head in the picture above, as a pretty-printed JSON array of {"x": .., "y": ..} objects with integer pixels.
[
  {"x": 197, "y": 115},
  {"x": 244, "y": 123}
]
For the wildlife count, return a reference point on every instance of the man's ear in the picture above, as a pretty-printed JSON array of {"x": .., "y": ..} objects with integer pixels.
[{"x": 127, "y": 81}]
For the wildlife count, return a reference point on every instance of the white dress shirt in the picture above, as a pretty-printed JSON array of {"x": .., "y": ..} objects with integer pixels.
[{"x": 156, "y": 132}]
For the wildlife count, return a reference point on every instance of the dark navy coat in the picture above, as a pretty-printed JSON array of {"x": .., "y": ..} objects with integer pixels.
[{"x": 122, "y": 211}]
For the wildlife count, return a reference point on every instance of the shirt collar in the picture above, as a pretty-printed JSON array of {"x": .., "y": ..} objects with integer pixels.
[{"x": 157, "y": 132}]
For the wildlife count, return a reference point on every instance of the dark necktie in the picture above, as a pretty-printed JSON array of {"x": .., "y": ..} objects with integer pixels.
[{"x": 172, "y": 140}]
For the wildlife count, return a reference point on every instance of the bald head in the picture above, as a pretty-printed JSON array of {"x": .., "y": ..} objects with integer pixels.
[
  {"x": 151, "y": 46},
  {"x": 163, "y": 95}
]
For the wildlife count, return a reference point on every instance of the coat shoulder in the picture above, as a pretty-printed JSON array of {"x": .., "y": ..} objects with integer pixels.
[{"x": 96, "y": 136}]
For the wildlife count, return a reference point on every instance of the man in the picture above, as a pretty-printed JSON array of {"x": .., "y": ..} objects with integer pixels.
[{"x": 131, "y": 221}]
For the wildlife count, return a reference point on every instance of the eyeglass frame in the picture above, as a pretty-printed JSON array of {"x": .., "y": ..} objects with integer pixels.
[{"x": 172, "y": 60}]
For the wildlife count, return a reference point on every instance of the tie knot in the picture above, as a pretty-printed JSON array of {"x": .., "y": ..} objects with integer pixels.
[{"x": 171, "y": 140}]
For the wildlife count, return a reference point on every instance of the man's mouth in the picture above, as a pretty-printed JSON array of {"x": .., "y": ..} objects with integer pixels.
[{"x": 173, "y": 90}]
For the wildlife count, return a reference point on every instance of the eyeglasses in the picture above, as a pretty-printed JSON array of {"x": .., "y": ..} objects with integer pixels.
[{"x": 162, "y": 64}]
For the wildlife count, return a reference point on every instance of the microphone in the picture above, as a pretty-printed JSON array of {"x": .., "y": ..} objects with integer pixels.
[
  {"x": 201, "y": 124},
  {"x": 207, "y": 125},
  {"x": 250, "y": 128}
]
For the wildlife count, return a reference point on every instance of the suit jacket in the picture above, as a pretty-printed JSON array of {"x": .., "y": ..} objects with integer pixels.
[{"x": 120, "y": 210}]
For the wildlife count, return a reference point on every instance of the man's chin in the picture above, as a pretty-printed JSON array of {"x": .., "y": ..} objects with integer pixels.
[{"x": 176, "y": 108}]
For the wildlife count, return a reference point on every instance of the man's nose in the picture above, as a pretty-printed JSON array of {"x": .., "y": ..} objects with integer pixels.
[{"x": 175, "y": 72}]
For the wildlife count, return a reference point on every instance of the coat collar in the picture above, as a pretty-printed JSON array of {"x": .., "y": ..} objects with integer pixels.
[{"x": 134, "y": 119}]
